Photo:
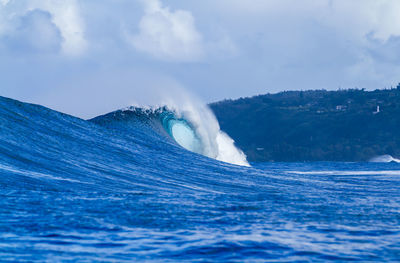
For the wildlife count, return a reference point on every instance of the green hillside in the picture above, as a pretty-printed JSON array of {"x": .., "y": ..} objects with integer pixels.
[{"x": 316, "y": 125}]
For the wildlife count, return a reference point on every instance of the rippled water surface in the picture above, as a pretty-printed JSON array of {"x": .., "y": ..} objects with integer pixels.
[{"x": 74, "y": 190}]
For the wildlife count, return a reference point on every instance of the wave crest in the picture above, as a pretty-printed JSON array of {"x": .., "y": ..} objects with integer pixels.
[
  {"x": 194, "y": 128},
  {"x": 385, "y": 159}
]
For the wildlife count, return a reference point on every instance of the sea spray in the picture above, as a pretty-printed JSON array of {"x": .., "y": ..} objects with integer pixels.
[
  {"x": 180, "y": 113},
  {"x": 384, "y": 159},
  {"x": 215, "y": 143}
]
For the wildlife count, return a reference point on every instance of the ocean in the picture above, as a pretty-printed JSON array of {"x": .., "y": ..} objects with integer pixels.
[{"x": 121, "y": 188}]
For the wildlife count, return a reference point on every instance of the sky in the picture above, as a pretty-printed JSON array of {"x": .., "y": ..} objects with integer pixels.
[{"x": 91, "y": 57}]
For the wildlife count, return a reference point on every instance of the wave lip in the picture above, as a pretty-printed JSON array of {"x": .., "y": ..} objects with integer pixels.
[
  {"x": 197, "y": 130},
  {"x": 201, "y": 135},
  {"x": 385, "y": 159}
]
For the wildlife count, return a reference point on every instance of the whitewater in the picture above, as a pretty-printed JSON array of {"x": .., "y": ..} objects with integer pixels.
[
  {"x": 165, "y": 184},
  {"x": 385, "y": 159}
]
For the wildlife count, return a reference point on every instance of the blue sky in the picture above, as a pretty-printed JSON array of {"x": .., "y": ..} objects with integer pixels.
[{"x": 90, "y": 57}]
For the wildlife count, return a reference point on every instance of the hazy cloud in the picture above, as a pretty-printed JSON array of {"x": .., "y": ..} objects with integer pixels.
[
  {"x": 63, "y": 14},
  {"x": 357, "y": 17},
  {"x": 34, "y": 32},
  {"x": 66, "y": 15},
  {"x": 168, "y": 35}
]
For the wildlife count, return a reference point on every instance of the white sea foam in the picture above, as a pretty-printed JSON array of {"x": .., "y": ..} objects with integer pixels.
[
  {"x": 214, "y": 143},
  {"x": 384, "y": 159}
]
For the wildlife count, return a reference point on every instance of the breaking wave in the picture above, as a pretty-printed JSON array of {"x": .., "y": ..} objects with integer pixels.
[
  {"x": 385, "y": 159},
  {"x": 195, "y": 129}
]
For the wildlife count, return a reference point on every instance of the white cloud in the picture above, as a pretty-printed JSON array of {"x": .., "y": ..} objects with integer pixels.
[
  {"x": 168, "y": 35},
  {"x": 245, "y": 47},
  {"x": 66, "y": 17},
  {"x": 64, "y": 14},
  {"x": 34, "y": 32}
]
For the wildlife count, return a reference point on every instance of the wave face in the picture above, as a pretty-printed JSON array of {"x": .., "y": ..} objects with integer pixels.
[{"x": 121, "y": 188}]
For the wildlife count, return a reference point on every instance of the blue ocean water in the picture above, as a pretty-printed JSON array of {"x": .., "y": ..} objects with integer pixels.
[{"x": 118, "y": 189}]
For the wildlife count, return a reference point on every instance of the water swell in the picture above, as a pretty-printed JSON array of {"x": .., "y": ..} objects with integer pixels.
[
  {"x": 194, "y": 129},
  {"x": 120, "y": 189}
]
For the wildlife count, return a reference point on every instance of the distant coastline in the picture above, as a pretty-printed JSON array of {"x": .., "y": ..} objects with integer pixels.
[{"x": 314, "y": 125}]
